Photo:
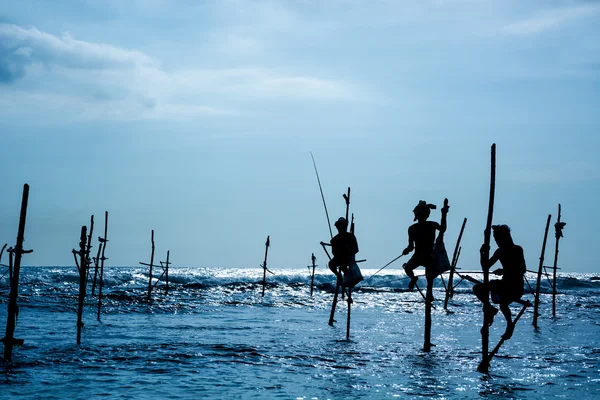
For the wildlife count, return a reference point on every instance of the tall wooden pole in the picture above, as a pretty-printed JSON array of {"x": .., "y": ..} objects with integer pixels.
[
  {"x": 558, "y": 234},
  {"x": 88, "y": 249},
  {"x": 18, "y": 251},
  {"x": 151, "y": 265},
  {"x": 103, "y": 243},
  {"x": 312, "y": 276},
  {"x": 429, "y": 292},
  {"x": 536, "y": 304},
  {"x": 167, "y": 273},
  {"x": 267, "y": 244},
  {"x": 450, "y": 288},
  {"x": 484, "y": 365},
  {"x": 82, "y": 281}
]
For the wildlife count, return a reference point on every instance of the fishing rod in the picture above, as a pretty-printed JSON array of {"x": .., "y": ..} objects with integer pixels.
[
  {"x": 401, "y": 255},
  {"x": 322, "y": 196}
]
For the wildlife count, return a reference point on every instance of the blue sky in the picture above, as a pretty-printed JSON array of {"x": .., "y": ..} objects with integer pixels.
[{"x": 197, "y": 119}]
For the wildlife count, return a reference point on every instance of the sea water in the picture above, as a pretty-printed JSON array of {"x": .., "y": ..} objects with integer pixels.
[{"x": 214, "y": 336}]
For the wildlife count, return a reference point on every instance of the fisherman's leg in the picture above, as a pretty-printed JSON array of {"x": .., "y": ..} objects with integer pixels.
[
  {"x": 408, "y": 269},
  {"x": 510, "y": 326},
  {"x": 482, "y": 292},
  {"x": 333, "y": 266}
]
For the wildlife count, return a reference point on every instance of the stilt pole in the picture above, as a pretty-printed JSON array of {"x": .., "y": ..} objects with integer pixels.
[
  {"x": 88, "y": 249},
  {"x": 502, "y": 340},
  {"x": 151, "y": 266},
  {"x": 539, "y": 276},
  {"x": 450, "y": 287},
  {"x": 429, "y": 277},
  {"x": 312, "y": 276},
  {"x": 13, "y": 309},
  {"x": 103, "y": 242},
  {"x": 349, "y": 310},
  {"x": 264, "y": 265},
  {"x": 82, "y": 280},
  {"x": 558, "y": 227},
  {"x": 484, "y": 365}
]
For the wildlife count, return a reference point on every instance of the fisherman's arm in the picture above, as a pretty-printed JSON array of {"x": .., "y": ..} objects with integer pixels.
[
  {"x": 484, "y": 261},
  {"x": 411, "y": 243},
  {"x": 444, "y": 210}
]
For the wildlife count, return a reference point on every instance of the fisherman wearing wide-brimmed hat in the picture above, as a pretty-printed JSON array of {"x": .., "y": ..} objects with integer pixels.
[
  {"x": 344, "y": 247},
  {"x": 421, "y": 238}
]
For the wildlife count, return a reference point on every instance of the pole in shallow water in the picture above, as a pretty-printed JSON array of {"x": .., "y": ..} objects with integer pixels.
[
  {"x": 502, "y": 339},
  {"x": 450, "y": 288},
  {"x": 558, "y": 227},
  {"x": 312, "y": 275},
  {"x": 82, "y": 266},
  {"x": 16, "y": 252},
  {"x": 264, "y": 266},
  {"x": 539, "y": 275},
  {"x": 151, "y": 265},
  {"x": 430, "y": 277},
  {"x": 103, "y": 241},
  {"x": 484, "y": 365}
]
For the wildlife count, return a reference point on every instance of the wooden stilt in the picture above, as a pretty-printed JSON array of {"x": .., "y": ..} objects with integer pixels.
[
  {"x": 484, "y": 365},
  {"x": 430, "y": 277},
  {"x": 349, "y": 311},
  {"x": 264, "y": 265},
  {"x": 558, "y": 227},
  {"x": 96, "y": 268},
  {"x": 15, "y": 269},
  {"x": 502, "y": 340},
  {"x": 450, "y": 287},
  {"x": 151, "y": 266},
  {"x": 103, "y": 242},
  {"x": 539, "y": 276},
  {"x": 88, "y": 249},
  {"x": 312, "y": 273},
  {"x": 82, "y": 280},
  {"x": 167, "y": 273}
]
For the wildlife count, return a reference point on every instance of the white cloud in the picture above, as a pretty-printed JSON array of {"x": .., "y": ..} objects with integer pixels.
[
  {"x": 66, "y": 50},
  {"x": 550, "y": 20},
  {"x": 107, "y": 81}
]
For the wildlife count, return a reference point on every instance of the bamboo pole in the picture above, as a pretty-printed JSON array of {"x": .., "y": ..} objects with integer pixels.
[
  {"x": 96, "y": 267},
  {"x": 539, "y": 276},
  {"x": 558, "y": 234},
  {"x": 88, "y": 249},
  {"x": 103, "y": 242},
  {"x": 13, "y": 309},
  {"x": 167, "y": 273},
  {"x": 82, "y": 280},
  {"x": 349, "y": 309},
  {"x": 151, "y": 266},
  {"x": 484, "y": 365},
  {"x": 450, "y": 287},
  {"x": 312, "y": 276},
  {"x": 429, "y": 292},
  {"x": 502, "y": 340},
  {"x": 264, "y": 265},
  {"x": 338, "y": 282}
]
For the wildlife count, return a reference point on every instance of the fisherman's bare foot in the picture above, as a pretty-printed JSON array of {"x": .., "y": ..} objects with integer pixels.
[{"x": 509, "y": 331}]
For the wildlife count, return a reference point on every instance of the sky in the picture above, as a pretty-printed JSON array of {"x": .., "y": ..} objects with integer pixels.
[{"x": 196, "y": 119}]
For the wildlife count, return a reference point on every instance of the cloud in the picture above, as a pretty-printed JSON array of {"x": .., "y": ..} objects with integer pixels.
[
  {"x": 550, "y": 19},
  {"x": 116, "y": 81},
  {"x": 66, "y": 50}
]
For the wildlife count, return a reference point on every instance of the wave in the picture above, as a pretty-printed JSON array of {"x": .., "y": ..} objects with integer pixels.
[{"x": 122, "y": 279}]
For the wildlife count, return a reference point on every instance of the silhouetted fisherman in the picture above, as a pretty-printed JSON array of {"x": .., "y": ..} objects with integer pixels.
[
  {"x": 508, "y": 289},
  {"x": 421, "y": 239},
  {"x": 344, "y": 248}
]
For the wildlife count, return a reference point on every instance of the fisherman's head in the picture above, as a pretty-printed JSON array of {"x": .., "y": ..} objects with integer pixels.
[
  {"x": 422, "y": 210},
  {"x": 341, "y": 224},
  {"x": 502, "y": 235}
]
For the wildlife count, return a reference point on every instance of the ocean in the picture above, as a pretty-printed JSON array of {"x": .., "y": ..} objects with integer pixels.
[{"x": 214, "y": 336}]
